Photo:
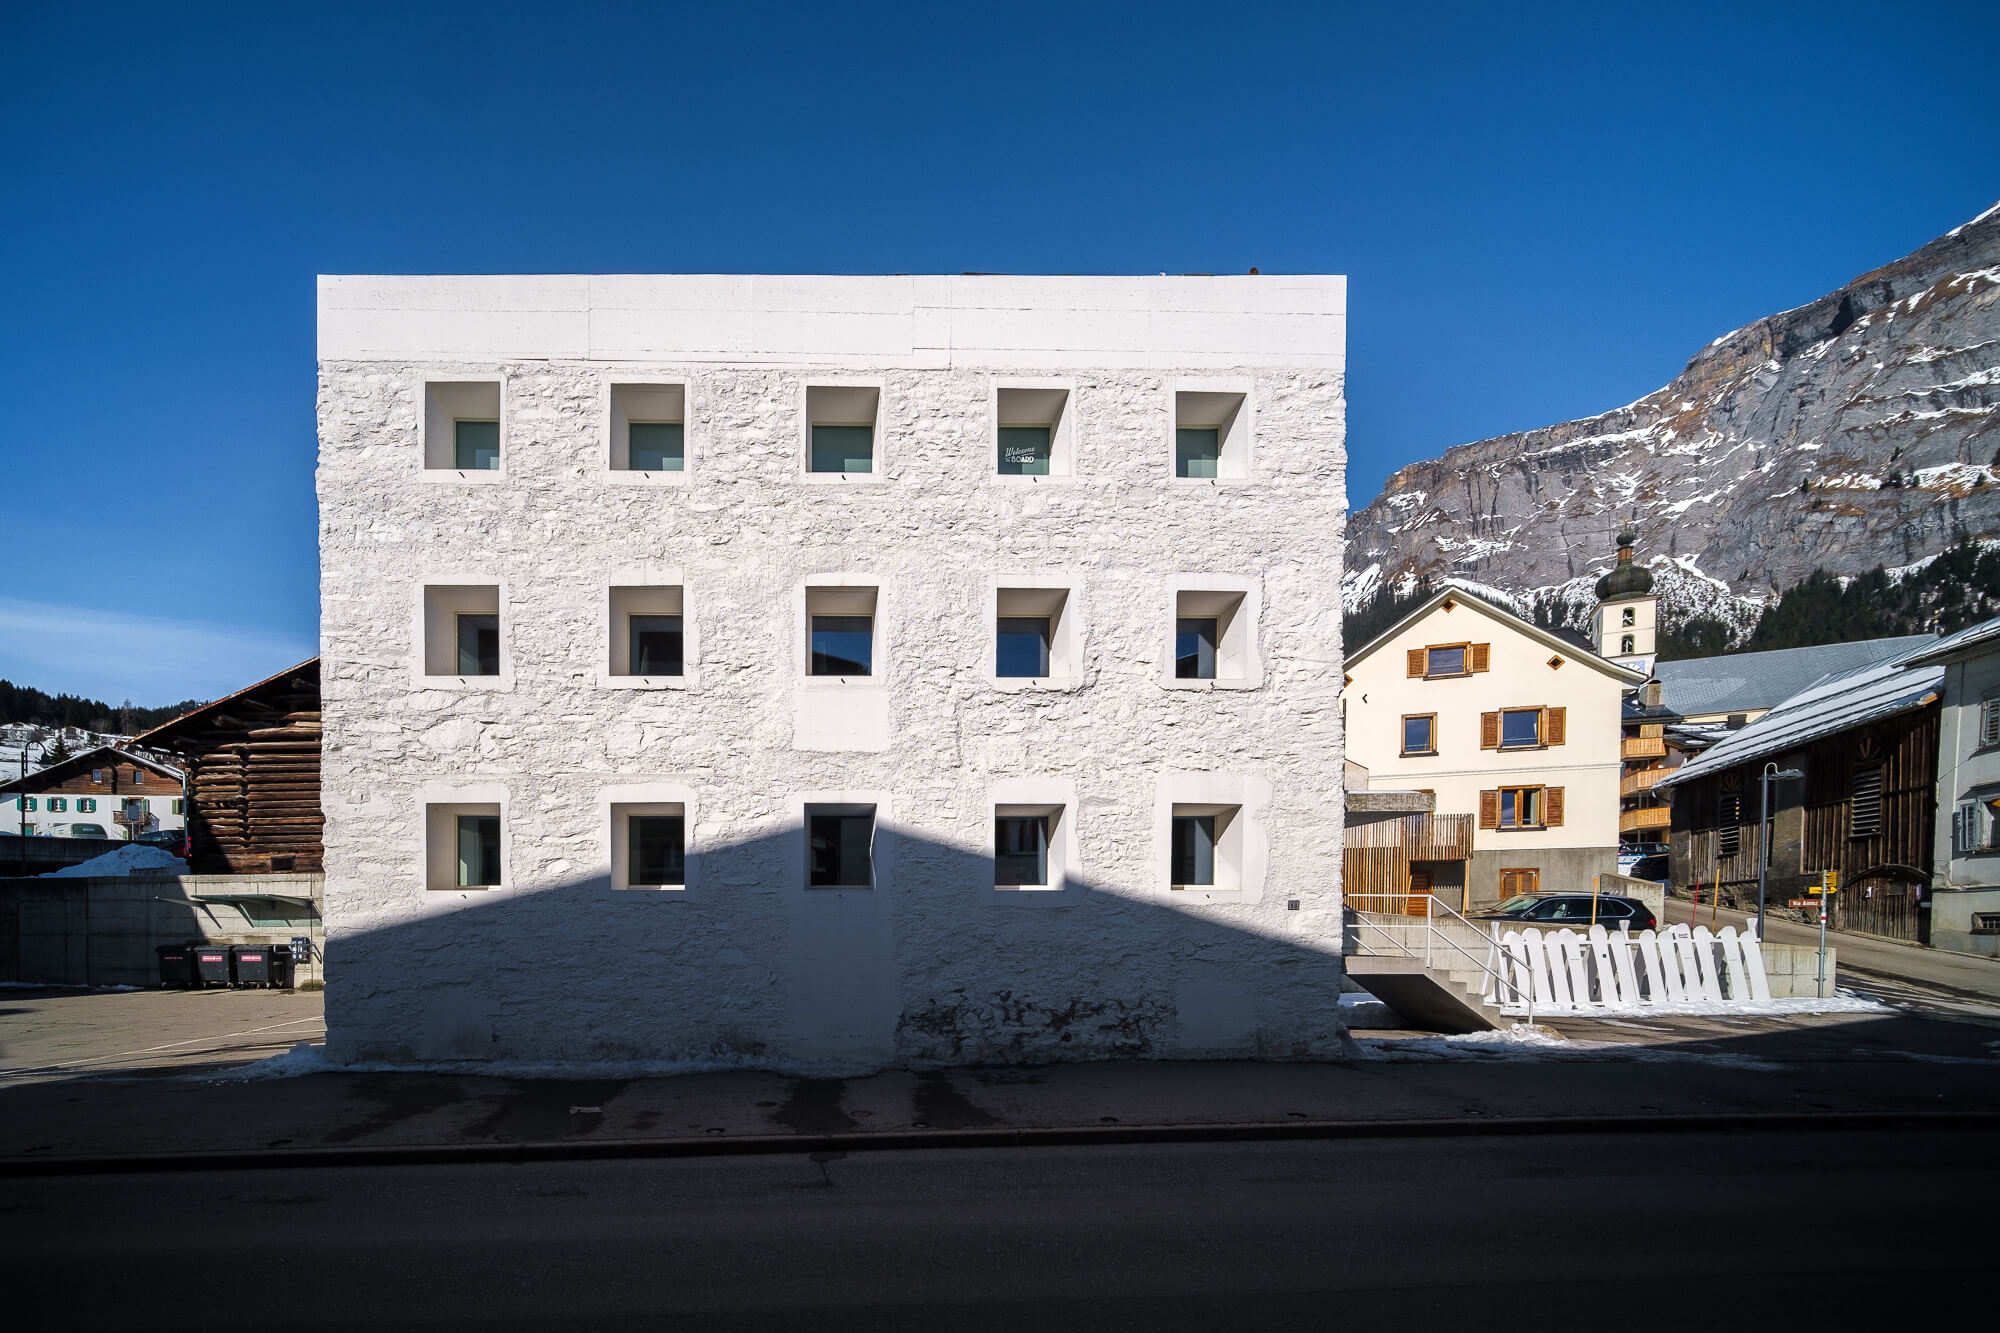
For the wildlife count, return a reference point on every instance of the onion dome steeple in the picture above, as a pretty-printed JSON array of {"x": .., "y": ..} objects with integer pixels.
[{"x": 1627, "y": 579}]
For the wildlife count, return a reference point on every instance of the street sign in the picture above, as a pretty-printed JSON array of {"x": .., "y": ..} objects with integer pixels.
[{"x": 1798, "y": 902}]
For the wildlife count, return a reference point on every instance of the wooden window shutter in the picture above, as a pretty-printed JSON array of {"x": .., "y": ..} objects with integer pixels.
[
  {"x": 1416, "y": 658},
  {"x": 1482, "y": 654},
  {"x": 1555, "y": 724},
  {"x": 1489, "y": 731},
  {"x": 1489, "y": 809},
  {"x": 1552, "y": 807}
]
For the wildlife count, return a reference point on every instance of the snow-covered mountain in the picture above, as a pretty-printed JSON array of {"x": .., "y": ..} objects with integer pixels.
[{"x": 1860, "y": 430}]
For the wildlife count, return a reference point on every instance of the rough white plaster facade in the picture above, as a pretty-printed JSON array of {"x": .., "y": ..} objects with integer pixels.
[{"x": 744, "y": 964}]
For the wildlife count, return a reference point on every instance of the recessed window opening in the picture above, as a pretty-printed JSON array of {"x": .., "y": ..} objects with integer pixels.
[
  {"x": 1629, "y": 617},
  {"x": 462, "y": 631},
  {"x": 840, "y": 631},
  {"x": 1206, "y": 847},
  {"x": 463, "y": 846},
  {"x": 1520, "y": 728},
  {"x": 1194, "y": 647},
  {"x": 647, "y": 636},
  {"x": 1021, "y": 850},
  {"x": 462, "y": 426},
  {"x": 1211, "y": 435},
  {"x": 841, "y": 429},
  {"x": 1194, "y": 851},
  {"x": 648, "y": 431},
  {"x": 840, "y": 847},
  {"x": 1212, "y": 636},
  {"x": 1625, "y": 643},
  {"x": 1022, "y": 646},
  {"x": 1033, "y": 431}
]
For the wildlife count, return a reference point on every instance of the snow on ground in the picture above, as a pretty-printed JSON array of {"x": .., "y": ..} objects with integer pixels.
[
  {"x": 1843, "y": 1003},
  {"x": 131, "y": 858}
]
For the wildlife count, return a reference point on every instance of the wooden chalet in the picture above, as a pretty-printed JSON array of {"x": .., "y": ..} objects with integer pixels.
[
  {"x": 252, "y": 762},
  {"x": 1866, "y": 807}
]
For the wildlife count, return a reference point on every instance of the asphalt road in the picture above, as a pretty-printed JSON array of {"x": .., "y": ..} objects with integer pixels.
[{"x": 1820, "y": 1230}]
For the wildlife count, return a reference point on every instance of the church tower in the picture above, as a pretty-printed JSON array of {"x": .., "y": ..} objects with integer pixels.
[{"x": 1627, "y": 620}]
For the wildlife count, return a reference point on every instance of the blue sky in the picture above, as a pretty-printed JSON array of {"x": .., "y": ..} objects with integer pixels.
[{"x": 1544, "y": 211}]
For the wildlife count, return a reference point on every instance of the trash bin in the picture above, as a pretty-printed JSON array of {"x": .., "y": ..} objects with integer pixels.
[
  {"x": 282, "y": 964},
  {"x": 176, "y": 965},
  {"x": 211, "y": 965},
  {"x": 253, "y": 964}
]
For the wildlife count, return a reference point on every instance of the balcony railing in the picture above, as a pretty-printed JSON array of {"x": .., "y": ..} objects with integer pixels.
[
  {"x": 1635, "y": 783},
  {"x": 1643, "y": 747},
  {"x": 1659, "y": 816}
]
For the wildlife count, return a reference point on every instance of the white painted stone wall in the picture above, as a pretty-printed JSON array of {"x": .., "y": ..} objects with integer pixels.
[{"x": 746, "y": 966}]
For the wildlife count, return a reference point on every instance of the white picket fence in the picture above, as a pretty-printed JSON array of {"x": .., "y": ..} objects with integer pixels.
[{"x": 1603, "y": 970}]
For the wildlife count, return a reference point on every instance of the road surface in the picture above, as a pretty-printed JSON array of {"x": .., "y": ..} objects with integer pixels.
[{"x": 1817, "y": 1230}]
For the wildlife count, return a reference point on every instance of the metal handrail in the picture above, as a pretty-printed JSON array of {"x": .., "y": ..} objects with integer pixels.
[{"x": 1432, "y": 933}]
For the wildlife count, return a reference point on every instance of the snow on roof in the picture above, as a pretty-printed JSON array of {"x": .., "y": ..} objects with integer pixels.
[
  {"x": 1747, "y": 682},
  {"x": 1832, "y": 706},
  {"x": 1986, "y": 633}
]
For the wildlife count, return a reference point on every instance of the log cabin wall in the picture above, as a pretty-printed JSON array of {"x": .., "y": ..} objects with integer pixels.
[
  {"x": 1813, "y": 823},
  {"x": 253, "y": 772}
]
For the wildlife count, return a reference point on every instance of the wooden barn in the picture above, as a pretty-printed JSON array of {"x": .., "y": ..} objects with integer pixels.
[
  {"x": 252, "y": 768},
  {"x": 1866, "y": 806}
]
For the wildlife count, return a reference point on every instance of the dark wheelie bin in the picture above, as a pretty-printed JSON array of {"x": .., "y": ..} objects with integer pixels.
[
  {"x": 176, "y": 965},
  {"x": 211, "y": 965},
  {"x": 282, "y": 965},
  {"x": 253, "y": 964}
]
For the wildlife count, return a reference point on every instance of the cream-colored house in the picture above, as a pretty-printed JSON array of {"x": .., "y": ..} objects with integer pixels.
[{"x": 1502, "y": 720}]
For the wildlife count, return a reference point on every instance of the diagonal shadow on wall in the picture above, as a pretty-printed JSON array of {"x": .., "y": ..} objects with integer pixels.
[{"x": 747, "y": 967}]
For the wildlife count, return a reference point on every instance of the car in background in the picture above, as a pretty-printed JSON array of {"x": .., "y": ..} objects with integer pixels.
[
  {"x": 87, "y": 831},
  {"x": 1572, "y": 909},
  {"x": 1631, "y": 853},
  {"x": 1652, "y": 868},
  {"x": 174, "y": 840}
]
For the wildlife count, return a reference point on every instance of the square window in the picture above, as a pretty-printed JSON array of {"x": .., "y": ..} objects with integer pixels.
[
  {"x": 463, "y": 846},
  {"x": 1021, "y": 851},
  {"x": 97, "y": 775},
  {"x": 28, "y": 804},
  {"x": 1211, "y": 434},
  {"x": 840, "y": 429},
  {"x": 1197, "y": 451},
  {"x": 842, "y": 645},
  {"x": 86, "y": 805},
  {"x": 1420, "y": 734},
  {"x": 1033, "y": 431},
  {"x": 1520, "y": 728},
  {"x": 462, "y": 427},
  {"x": 1214, "y": 643},
  {"x": 1022, "y": 646},
  {"x": 656, "y": 850},
  {"x": 462, "y": 639},
  {"x": 648, "y": 431},
  {"x": 477, "y": 445},
  {"x": 840, "y": 631},
  {"x": 1520, "y": 807},
  {"x": 648, "y": 634},
  {"x": 657, "y": 446},
  {"x": 57, "y": 805},
  {"x": 840, "y": 847},
  {"x": 1194, "y": 647}
]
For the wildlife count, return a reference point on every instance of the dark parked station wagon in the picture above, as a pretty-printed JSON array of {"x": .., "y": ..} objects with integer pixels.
[{"x": 1572, "y": 909}]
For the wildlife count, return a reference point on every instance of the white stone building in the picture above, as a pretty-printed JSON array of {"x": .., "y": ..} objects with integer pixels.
[{"x": 831, "y": 672}]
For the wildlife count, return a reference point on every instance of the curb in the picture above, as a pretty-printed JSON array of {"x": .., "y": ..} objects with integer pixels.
[{"x": 755, "y": 1145}]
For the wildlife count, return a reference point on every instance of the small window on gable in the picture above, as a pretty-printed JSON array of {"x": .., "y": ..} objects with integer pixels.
[
  {"x": 462, "y": 427},
  {"x": 1211, "y": 435},
  {"x": 841, "y": 430},
  {"x": 1442, "y": 661},
  {"x": 1729, "y": 822},
  {"x": 97, "y": 775},
  {"x": 138, "y": 777}
]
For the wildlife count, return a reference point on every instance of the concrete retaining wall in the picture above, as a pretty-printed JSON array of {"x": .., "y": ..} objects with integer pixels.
[{"x": 103, "y": 931}]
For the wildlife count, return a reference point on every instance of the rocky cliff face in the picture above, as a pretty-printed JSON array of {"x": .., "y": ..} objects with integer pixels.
[{"x": 1860, "y": 430}]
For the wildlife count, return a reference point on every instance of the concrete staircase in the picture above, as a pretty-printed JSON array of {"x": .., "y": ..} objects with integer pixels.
[{"x": 1429, "y": 968}]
